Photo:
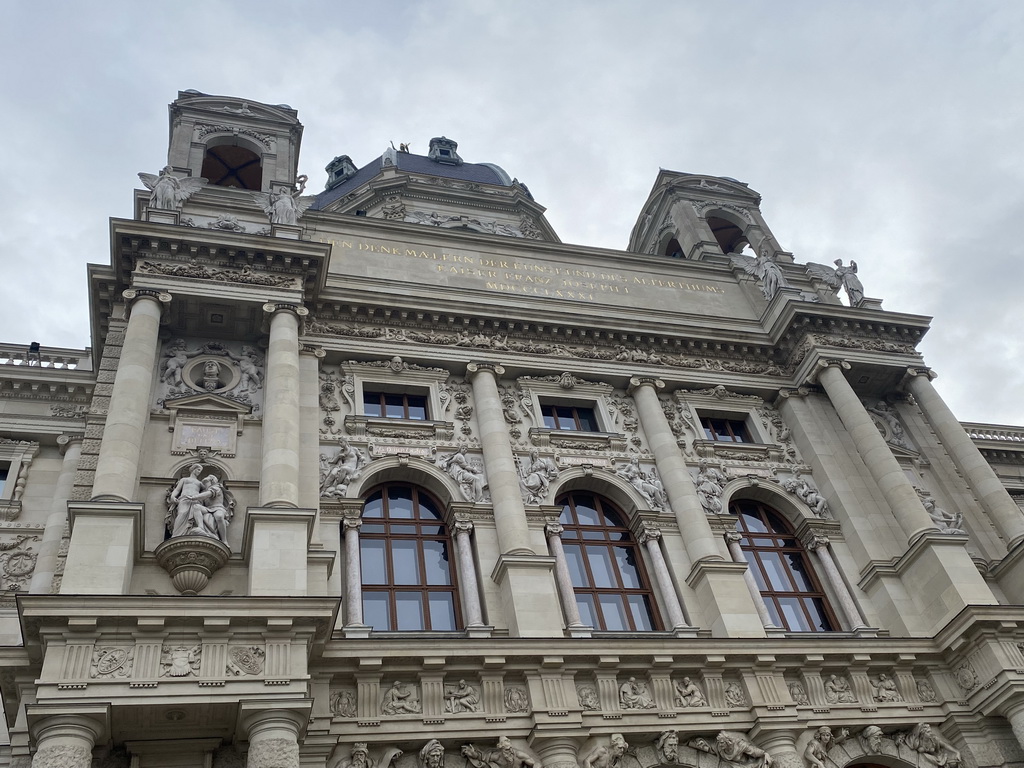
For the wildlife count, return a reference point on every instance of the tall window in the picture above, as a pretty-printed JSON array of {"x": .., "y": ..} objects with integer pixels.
[
  {"x": 612, "y": 589},
  {"x": 408, "y": 577},
  {"x": 779, "y": 564}
]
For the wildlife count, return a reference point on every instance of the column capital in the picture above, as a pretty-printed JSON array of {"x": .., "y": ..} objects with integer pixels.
[
  {"x": 785, "y": 393},
  {"x": 312, "y": 349},
  {"x": 815, "y": 541},
  {"x": 351, "y": 523},
  {"x": 463, "y": 526},
  {"x": 648, "y": 532},
  {"x": 472, "y": 369},
  {"x": 553, "y": 529},
  {"x": 824, "y": 363},
  {"x": 131, "y": 295},
  {"x": 922, "y": 371},
  {"x": 272, "y": 308},
  {"x": 733, "y": 537},
  {"x": 635, "y": 382},
  {"x": 64, "y": 441}
]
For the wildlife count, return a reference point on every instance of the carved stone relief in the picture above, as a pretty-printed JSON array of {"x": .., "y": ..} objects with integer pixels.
[
  {"x": 966, "y": 677},
  {"x": 180, "y": 660},
  {"x": 808, "y": 494},
  {"x": 888, "y": 422},
  {"x": 343, "y": 702},
  {"x": 211, "y": 367},
  {"x": 885, "y": 690},
  {"x": 199, "y": 506},
  {"x": 609, "y": 756},
  {"x": 798, "y": 693},
  {"x": 931, "y": 745},
  {"x": 947, "y": 522},
  {"x": 838, "y": 691},
  {"x": 399, "y": 699},
  {"x": 112, "y": 662},
  {"x": 588, "y": 698},
  {"x": 734, "y": 748},
  {"x": 455, "y": 399},
  {"x": 245, "y": 275},
  {"x": 467, "y": 472},
  {"x": 646, "y": 482},
  {"x": 461, "y": 697},
  {"x": 667, "y": 747},
  {"x": 516, "y": 700},
  {"x": 633, "y": 694},
  {"x": 535, "y": 476},
  {"x": 925, "y": 692},
  {"x": 245, "y": 660},
  {"x": 432, "y": 755},
  {"x": 339, "y": 471},
  {"x": 710, "y": 483},
  {"x": 817, "y": 748},
  {"x": 517, "y": 409},
  {"x": 734, "y": 696},
  {"x": 17, "y": 561},
  {"x": 688, "y": 694}
]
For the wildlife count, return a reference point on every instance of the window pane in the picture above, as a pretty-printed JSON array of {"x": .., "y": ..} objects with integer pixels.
[
  {"x": 435, "y": 563},
  {"x": 753, "y": 523},
  {"x": 798, "y": 571},
  {"x": 776, "y": 571},
  {"x": 754, "y": 567},
  {"x": 371, "y": 404},
  {"x": 428, "y": 511},
  {"x": 400, "y": 502},
  {"x": 442, "y": 611},
  {"x": 627, "y": 567},
  {"x": 574, "y": 558},
  {"x": 372, "y": 560},
  {"x": 394, "y": 406},
  {"x": 773, "y": 609},
  {"x": 614, "y": 613},
  {"x": 816, "y": 608},
  {"x": 793, "y": 614},
  {"x": 367, "y": 528},
  {"x": 586, "y": 513},
  {"x": 417, "y": 407},
  {"x": 375, "y": 610},
  {"x": 597, "y": 535},
  {"x": 640, "y": 609},
  {"x": 409, "y": 610},
  {"x": 549, "y": 419},
  {"x": 585, "y": 604},
  {"x": 374, "y": 506},
  {"x": 588, "y": 423},
  {"x": 601, "y": 567},
  {"x": 397, "y": 529},
  {"x": 405, "y": 562}
]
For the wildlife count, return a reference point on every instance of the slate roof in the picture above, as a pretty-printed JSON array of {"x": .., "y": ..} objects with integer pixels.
[{"x": 480, "y": 173}]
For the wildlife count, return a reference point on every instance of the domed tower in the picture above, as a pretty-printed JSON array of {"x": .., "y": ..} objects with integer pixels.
[{"x": 438, "y": 189}]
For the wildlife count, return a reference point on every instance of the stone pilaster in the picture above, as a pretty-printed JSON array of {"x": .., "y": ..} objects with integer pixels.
[
  {"x": 117, "y": 467},
  {"x": 279, "y": 480},
  {"x": 49, "y": 547}
]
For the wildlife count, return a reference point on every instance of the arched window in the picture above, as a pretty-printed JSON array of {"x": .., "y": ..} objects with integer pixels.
[
  {"x": 408, "y": 578},
  {"x": 612, "y": 589},
  {"x": 779, "y": 565},
  {"x": 227, "y": 165}
]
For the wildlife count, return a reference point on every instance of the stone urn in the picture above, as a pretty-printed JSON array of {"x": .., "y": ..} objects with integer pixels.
[{"x": 191, "y": 561}]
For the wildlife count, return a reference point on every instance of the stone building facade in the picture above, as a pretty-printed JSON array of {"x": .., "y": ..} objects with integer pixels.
[{"x": 388, "y": 474}]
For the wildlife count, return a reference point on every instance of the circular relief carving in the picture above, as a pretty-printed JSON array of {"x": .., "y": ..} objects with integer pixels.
[
  {"x": 111, "y": 660},
  {"x": 211, "y": 373},
  {"x": 247, "y": 659},
  {"x": 20, "y": 563}
]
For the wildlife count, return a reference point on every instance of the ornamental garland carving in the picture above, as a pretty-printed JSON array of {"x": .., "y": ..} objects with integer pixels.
[
  {"x": 457, "y": 396},
  {"x": 517, "y": 409},
  {"x": 193, "y": 270},
  {"x": 501, "y": 341}
]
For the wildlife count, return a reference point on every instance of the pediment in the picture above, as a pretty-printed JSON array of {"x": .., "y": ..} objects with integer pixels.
[{"x": 205, "y": 402}]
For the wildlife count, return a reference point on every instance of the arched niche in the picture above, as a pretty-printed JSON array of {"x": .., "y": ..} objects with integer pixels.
[
  {"x": 728, "y": 229},
  {"x": 231, "y": 161},
  {"x": 414, "y": 471},
  {"x": 600, "y": 482}
]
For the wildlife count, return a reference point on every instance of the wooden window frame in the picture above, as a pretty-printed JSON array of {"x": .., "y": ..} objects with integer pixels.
[
  {"x": 548, "y": 410},
  {"x": 388, "y": 535},
  {"x": 788, "y": 547},
  {"x": 613, "y": 536},
  {"x": 729, "y": 436},
  {"x": 381, "y": 394}
]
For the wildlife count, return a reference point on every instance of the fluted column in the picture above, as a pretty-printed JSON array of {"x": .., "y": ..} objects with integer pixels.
[
  {"x": 49, "y": 547},
  {"x": 650, "y": 538},
  {"x": 117, "y": 467},
  {"x": 502, "y": 478},
  {"x": 470, "y": 591},
  {"x": 279, "y": 480},
  {"x": 991, "y": 493},
  {"x": 820, "y": 546},
  {"x": 353, "y": 572},
  {"x": 732, "y": 538},
  {"x": 66, "y": 740},
  {"x": 875, "y": 452},
  {"x": 563, "y": 579},
  {"x": 675, "y": 476}
]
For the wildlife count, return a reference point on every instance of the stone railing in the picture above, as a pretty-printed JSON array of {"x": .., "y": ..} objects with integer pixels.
[
  {"x": 994, "y": 432},
  {"x": 44, "y": 357}
]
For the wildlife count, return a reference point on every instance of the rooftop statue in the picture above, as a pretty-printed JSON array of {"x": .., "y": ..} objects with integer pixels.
[
  {"x": 285, "y": 206},
  {"x": 841, "y": 277},
  {"x": 167, "y": 191},
  {"x": 765, "y": 269}
]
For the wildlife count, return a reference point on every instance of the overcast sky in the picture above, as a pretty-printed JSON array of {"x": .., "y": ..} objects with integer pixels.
[{"x": 887, "y": 132}]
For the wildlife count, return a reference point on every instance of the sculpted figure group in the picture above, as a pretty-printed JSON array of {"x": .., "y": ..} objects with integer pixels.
[{"x": 199, "y": 507}]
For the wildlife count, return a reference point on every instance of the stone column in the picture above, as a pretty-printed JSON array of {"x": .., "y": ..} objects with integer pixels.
[
  {"x": 1013, "y": 711},
  {"x": 650, "y": 538},
  {"x": 279, "y": 479},
  {"x": 273, "y": 735},
  {"x": 875, "y": 452},
  {"x": 733, "y": 538},
  {"x": 470, "y": 590},
  {"x": 557, "y": 751},
  {"x": 723, "y": 599},
  {"x": 353, "y": 572},
  {"x": 675, "y": 475},
  {"x": 991, "y": 493},
  {"x": 117, "y": 467},
  {"x": 820, "y": 546},
  {"x": 502, "y": 477},
  {"x": 781, "y": 745},
  {"x": 66, "y": 740},
  {"x": 46, "y": 563},
  {"x": 562, "y": 578}
]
